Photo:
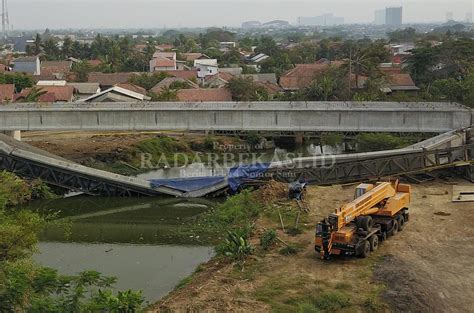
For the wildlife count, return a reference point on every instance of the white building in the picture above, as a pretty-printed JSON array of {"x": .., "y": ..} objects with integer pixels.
[{"x": 206, "y": 68}]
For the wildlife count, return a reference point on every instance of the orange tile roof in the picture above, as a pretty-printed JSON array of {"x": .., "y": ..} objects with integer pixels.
[
  {"x": 211, "y": 94},
  {"x": 190, "y": 57},
  {"x": 304, "y": 74},
  {"x": 183, "y": 74},
  {"x": 401, "y": 79},
  {"x": 61, "y": 93},
  {"x": 110, "y": 79},
  {"x": 163, "y": 62},
  {"x": 55, "y": 67},
  {"x": 6, "y": 92}
]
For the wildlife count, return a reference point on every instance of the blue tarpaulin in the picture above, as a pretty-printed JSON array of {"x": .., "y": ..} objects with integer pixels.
[
  {"x": 238, "y": 175},
  {"x": 187, "y": 184}
]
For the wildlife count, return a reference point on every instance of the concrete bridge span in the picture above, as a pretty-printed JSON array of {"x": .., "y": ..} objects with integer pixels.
[{"x": 232, "y": 116}]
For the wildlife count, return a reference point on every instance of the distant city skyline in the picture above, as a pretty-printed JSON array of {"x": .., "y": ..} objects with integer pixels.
[{"x": 40, "y": 14}]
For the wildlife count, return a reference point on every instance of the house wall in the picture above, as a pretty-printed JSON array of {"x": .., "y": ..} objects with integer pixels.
[
  {"x": 28, "y": 67},
  {"x": 206, "y": 70}
]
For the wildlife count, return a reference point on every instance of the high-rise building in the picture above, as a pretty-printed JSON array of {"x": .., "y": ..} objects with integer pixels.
[
  {"x": 379, "y": 17},
  {"x": 393, "y": 16}
]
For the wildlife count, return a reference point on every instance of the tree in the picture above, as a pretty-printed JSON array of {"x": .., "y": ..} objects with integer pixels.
[
  {"x": 244, "y": 89},
  {"x": 148, "y": 81},
  {"x": 27, "y": 287},
  {"x": 20, "y": 80},
  {"x": 167, "y": 94},
  {"x": 66, "y": 49},
  {"x": 51, "y": 49},
  {"x": 34, "y": 94},
  {"x": 37, "y": 45},
  {"x": 82, "y": 70}
]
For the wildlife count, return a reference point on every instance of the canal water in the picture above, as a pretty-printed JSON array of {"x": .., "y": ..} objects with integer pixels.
[{"x": 140, "y": 241}]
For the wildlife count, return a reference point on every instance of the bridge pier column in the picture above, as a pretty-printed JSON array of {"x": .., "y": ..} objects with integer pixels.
[{"x": 16, "y": 134}]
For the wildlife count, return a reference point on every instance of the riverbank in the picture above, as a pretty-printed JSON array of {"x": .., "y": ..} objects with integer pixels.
[
  {"x": 411, "y": 271},
  {"x": 132, "y": 153}
]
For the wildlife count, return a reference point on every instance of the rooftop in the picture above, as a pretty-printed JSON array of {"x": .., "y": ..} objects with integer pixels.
[{"x": 211, "y": 94}]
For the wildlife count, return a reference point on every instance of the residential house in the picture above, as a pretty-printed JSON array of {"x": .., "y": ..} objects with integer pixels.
[
  {"x": 84, "y": 90},
  {"x": 116, "y": 94},
  {"x": 206, "y": 68},
  {"x": 259, "y": 58},
  {"x": 57, "y": 69},
  {"x": 190, "y": 57},
  {"x": 304, "y": 74},
  {"x": 7, "y": 92},
  {"x": 30, "y": 65},
  {"x": 225, "y": 46},
  {"x": 202, "y": 95},
  {"x": 220, "y": 80},
  {"x": 163, "y": 61},
  {"x": 50, "y": 94},
  {"x": 108, "y": 80},
  {"x": 395, "y": 82},
  {"x": 168, "y": 81},
  {"x": 272, "y": 88},
  {"x": 400, "y": 82},
  {"x": 231, "y": 70}
]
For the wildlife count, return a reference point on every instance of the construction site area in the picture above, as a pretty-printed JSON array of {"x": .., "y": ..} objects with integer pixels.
[{"x": 425, "y": 267}]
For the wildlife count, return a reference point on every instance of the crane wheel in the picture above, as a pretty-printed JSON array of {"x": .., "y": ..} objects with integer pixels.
[
  {"x": 394, "y": 227},
  {"x": 401, "y": 222},
  {"x": 365, "y": 222},
  {"x": 366, "y": 250},
  {"x": 374, "y": 242}
]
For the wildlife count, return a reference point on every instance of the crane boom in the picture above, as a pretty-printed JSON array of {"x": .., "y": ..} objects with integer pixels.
[{"x": 365, "y": 204}]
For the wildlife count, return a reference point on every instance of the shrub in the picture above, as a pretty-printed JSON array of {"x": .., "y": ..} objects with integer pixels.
[
  {"x": 378, "y": 141},
  {"x": 288, "y": 250},
  {"x": 268, "y": 239},
  {"x": 235, "y": 247}
]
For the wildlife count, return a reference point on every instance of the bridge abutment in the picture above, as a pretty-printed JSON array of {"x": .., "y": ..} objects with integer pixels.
[{"x": 15, "y": 134}]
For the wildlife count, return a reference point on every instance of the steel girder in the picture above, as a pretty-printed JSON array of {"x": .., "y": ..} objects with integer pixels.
[
  {"x": 68, "y": 179},
  {"x": 379, "y": 167}
]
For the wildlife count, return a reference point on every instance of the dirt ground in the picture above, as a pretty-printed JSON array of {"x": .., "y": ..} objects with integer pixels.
[
  {"x": 428, "y": 267},
  {"x": 82, "y": 146}
]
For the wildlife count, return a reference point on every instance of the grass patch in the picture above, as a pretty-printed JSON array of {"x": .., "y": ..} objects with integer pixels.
[
  {"x": 268, "y": 239},
  {"x": 288, "y": 250}
]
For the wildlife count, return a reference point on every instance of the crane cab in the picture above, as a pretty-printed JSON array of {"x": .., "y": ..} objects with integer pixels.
[{"x": 362, "y": 189}]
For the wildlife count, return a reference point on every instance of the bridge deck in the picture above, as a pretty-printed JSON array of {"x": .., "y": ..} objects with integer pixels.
[{"x": 231, "y": 116}]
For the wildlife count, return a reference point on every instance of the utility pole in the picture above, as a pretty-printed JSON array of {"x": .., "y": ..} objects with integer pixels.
[{"x": 5, "y": 19}]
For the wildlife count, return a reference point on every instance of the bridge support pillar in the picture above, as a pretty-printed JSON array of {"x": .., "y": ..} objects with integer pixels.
[
  {"x": 299, "y": 138},
  {"x": 15, "y": 134}
]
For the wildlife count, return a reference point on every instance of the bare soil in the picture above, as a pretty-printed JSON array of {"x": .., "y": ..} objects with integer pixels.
[
  {"x": 83, "y": 146},
  {"x": 426, "y": 267}
]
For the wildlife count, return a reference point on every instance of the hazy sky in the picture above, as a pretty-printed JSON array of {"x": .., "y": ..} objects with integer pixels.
[{"x": 39, "y": 14}]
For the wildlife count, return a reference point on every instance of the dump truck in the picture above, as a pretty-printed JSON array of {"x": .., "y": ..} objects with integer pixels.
[{"x": 377, "y": 211}]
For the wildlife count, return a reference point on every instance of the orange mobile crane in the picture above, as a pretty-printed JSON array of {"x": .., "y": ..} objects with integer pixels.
[{"x": 357, "y": 227}]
